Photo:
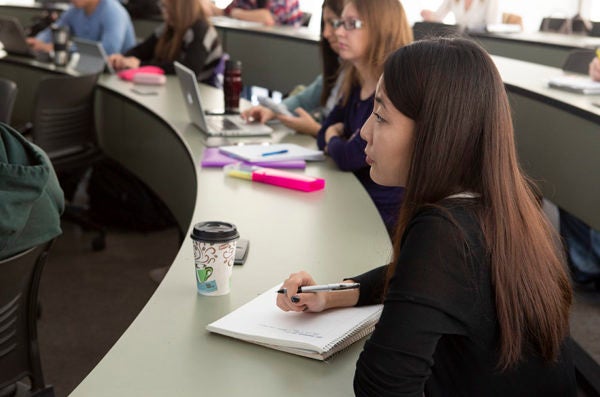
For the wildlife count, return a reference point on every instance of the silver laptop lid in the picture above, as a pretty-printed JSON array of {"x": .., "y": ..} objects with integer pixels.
[
  {"x": 191, "y": 95},
  {"x": 92, "y": 57},
  {"x": 13, "y": 37},
  {"x": 214, "y": 125}
]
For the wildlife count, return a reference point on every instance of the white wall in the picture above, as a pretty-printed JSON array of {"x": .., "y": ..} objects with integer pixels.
[{"x": 532, "y": 11}]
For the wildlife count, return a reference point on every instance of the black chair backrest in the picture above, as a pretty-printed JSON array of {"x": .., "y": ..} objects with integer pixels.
[
  {"x": 19, "y": 351},
  {"x": 595, "y": 31},
  {"x": 578, "y": 61},
  {"x": 306, "y": 16},
  {"x": 425, "y": 30},
  {"x": 551, "y": 24},
  {"x": 63, "y": 121},
  {"x": 8, "y": 94}
]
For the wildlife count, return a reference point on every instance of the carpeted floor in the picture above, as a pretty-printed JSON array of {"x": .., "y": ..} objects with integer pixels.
[{"x": 89, "y": 299}]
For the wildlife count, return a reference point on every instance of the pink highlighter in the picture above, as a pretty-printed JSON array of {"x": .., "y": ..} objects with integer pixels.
[{"x": 271, "y": 176}]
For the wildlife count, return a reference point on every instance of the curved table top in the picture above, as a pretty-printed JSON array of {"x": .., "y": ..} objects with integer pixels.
[
  {"x": 167, "y": 349},
  {"x": 531, "y": 80},
  {"x": 568, "y": 41},
  {"x": 558, "y": 137}
]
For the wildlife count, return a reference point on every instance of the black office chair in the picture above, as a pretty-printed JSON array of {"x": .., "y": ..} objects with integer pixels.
[
  {"x": 306, "y": 16},
  {"x": 19, "y": 351},
  {"x": 578, "y": 61},
  {"x": 424, "y": 30},
  {"x": 63, "y": 125},
  {"x": 595, "y": 29},
  {"x": 8, "y": 94},
  {"x": 557, "y": 25}
]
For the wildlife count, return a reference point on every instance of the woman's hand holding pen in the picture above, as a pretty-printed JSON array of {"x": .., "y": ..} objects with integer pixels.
[{"x": 292, "y": 300}]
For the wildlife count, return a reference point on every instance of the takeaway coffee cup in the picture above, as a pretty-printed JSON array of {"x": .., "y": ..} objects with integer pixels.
[{"x": 214, "y": 252}]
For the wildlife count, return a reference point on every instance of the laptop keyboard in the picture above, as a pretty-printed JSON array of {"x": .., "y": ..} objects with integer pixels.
[{"x": 220, "y": 123}]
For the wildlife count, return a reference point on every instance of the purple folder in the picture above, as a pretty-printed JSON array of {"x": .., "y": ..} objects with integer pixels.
[{"x": 213, "y": 158}]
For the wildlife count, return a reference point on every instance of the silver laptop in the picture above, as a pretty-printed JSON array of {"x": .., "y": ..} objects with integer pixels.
[
  {"x": 213, "y": 125},
  {"x": 92, "y": 57},
  {"x": 14, "y": 41}
]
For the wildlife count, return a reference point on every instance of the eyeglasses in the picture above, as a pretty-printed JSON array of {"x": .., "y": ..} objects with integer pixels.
[{"x": 348, "y": 24}]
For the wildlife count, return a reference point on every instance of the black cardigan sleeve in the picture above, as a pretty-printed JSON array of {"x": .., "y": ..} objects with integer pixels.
[
  {"x": 193, "y": 52},
  {"x": 428, "y": 293},
  {"x": 144, "y": 51}
]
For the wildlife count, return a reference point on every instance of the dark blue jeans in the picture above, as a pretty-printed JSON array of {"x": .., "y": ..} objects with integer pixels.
[{"x": 583, "y": 248}]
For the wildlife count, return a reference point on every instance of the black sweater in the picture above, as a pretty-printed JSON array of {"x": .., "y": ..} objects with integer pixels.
[
  {"x": 200, "y": 50},
  {"x": 438, "y": 332}
]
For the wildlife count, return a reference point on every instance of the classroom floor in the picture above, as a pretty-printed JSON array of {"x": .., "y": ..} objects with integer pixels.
[{"x": 89, "y": 298}]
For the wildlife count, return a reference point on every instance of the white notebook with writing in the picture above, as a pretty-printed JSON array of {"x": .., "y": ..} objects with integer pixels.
[
  {"x": 272, "y": 153},
  {"x": 313, "y": 335}
]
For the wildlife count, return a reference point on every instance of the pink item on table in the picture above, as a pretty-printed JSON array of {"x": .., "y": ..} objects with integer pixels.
[{"x": 128, "y": 74}]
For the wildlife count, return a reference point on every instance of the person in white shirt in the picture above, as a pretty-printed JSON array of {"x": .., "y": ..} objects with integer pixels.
[{"x": 469, "y": 14}]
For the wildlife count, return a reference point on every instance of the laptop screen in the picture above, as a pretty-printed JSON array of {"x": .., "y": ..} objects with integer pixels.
[
  {"x": 92, "y": 57},
  {"x": 189, "y": 88}
]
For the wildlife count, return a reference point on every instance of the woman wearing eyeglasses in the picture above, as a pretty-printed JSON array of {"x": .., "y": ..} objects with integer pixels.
[
  {"x": 367, "y": 33},
  {"x": 470, "y": 14},
  {"x": 187, "y": 36},
  {"x": 476, "y": 300},
  {"x": 319, "y": 97}
]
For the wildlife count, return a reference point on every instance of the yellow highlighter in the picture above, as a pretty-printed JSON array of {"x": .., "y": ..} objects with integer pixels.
[{"x": 598, "y": 52}]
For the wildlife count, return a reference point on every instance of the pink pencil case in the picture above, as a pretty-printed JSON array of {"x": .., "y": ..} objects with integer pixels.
[{"x": 128, "y": 74}]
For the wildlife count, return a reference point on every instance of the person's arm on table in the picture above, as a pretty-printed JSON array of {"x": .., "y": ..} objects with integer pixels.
[
  {"x": 429, "y": 296},
  {"x": 262, "y": 15},
  {"x": 259, "y": 114},
  {"x": 303, "y": 122},
  {"x": 43, "y": 40},
  {"x": 302, "y": 103},
  {"x": 313, "y": 301},
  {"x": 349, "y": 155}
]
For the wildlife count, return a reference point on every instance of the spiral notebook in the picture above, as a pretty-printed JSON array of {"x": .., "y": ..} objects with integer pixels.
[
  {"x": 275, "y": 152},
  {"x": 313, "y": 335}
]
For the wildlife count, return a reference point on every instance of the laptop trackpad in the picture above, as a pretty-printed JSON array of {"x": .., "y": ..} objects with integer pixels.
[{"x": 221, "y": 123}]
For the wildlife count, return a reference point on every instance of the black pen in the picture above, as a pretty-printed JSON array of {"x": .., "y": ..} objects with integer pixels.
[{"x": 324, "y": 287}]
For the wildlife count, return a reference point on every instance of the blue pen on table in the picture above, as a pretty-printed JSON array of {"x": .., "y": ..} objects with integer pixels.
[
  {"x": 274, "y": 153},
  {"x": 324, "y": 287}
]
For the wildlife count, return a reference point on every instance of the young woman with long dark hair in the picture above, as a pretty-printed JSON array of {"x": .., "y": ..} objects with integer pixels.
[{"x": 476, "y": 299}]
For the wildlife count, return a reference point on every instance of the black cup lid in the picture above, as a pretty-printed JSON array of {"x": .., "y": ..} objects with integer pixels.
[
  {"x": 233, "y": 65},
  {"x": 215, "y": 231}
]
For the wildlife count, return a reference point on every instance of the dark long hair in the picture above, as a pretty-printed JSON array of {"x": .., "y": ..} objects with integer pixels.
[
  {"x": 464, "y": 141},
  {"x": 331, "y": 63}
]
